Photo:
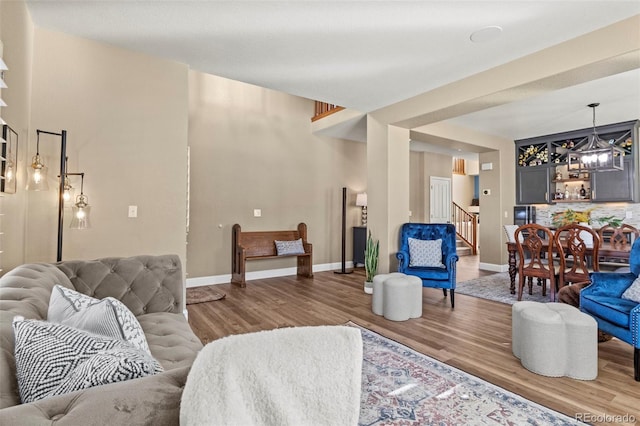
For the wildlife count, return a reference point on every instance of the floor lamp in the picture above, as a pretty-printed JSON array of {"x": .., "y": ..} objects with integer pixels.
[{"x": 38, "y": 182}]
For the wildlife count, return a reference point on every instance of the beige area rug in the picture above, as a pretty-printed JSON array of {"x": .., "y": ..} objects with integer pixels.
[
  {"x": 203, "y": 294},
  {"x": 496, "y": 287}
]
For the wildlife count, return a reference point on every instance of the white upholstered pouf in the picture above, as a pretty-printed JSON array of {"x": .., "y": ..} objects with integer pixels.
[
  {"x": 397, "y": 296},
  {"x": 555, "y": 340}
]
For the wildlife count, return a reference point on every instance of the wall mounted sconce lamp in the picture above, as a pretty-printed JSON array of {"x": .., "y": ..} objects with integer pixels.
[
  {"x": 361, "y": 201},
  {"x": 37, "y": 180}
]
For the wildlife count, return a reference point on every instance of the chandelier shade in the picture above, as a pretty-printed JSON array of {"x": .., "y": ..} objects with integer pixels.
[{"x": 597, "y": 155}]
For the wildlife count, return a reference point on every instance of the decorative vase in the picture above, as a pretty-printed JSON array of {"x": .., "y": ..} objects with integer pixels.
[{"x": 368, "y": 287}]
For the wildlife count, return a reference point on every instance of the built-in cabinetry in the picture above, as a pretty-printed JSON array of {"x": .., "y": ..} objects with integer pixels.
[{"x": 543, "y": 176}]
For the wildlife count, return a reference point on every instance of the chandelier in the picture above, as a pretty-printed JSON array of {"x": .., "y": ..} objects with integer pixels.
[{"x": 597, "y": 155}]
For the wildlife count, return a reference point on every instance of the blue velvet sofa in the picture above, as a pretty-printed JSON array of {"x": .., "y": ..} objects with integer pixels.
[
  {"x": 443, "y": 277},
  {"x": 602, "y": 299}
]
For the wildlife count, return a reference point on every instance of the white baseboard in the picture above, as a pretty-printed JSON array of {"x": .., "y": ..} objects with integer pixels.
[
  {"x": 256, "y": 275},
  {"x": 493, "y": 267}
]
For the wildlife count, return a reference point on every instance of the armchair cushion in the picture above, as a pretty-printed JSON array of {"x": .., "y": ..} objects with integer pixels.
[
  {"x": 426, "y": 253},
  {"x": 633, "y": 292},
  {"x": 616, "y": 310},
  {"x": 610, "y": 284}
]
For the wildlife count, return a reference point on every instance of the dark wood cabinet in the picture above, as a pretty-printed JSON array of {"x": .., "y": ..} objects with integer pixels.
[
  {"x": 532, "y": 185},
  {"x": 359, "y": 244},
  {"x": 614, "y": 186},
  {"x": 539, "y": 159}
]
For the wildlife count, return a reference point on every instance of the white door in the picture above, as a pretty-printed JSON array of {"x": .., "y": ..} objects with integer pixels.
[{"x": 439, "y": 199}]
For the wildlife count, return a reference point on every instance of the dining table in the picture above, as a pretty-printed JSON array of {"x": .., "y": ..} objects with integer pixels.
[{"x": 617, "y": 252}]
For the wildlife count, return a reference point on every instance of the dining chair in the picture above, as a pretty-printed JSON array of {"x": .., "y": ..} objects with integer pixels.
[
  {"x": 573, "y": 243},
  {"x": 620, "y": 236},
  {"x": 535, "y": 251}
]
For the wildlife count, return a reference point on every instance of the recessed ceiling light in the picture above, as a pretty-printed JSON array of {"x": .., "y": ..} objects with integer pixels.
[{"x": 490, "y": 33}]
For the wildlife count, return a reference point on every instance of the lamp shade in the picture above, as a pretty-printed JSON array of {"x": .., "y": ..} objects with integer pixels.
[
  {"x": 37, "y": 176},
  {"x": 361, "y": 200},
  {"x": 81, "y": 212}
]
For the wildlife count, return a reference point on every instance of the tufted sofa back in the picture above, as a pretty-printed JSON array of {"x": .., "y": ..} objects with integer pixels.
[{"x": 145, "y": 284}]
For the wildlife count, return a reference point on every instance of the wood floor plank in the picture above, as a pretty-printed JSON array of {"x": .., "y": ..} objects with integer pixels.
[{"x": 474, "y": 337}]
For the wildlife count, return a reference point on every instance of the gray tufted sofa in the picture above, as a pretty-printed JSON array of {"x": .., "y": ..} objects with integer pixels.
[{"x": 152, "y": 288}]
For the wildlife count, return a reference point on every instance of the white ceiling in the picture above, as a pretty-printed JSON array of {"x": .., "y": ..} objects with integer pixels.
[{"x": 364, "y": 55}]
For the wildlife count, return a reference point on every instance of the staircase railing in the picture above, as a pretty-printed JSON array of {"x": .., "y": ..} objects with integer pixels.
[
  {"x": 466, "y": 227},
  {"x": 324, "y": 109}
]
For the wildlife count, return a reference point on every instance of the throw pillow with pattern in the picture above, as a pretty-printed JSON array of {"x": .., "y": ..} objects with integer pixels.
[
  {"x": 107, "y": 317},
  {"x": 53, "y": 359},
  {"x": 425, "y": 253},
  {"x": 289, "y": 247},
  {"x": 633, "y": 292}
]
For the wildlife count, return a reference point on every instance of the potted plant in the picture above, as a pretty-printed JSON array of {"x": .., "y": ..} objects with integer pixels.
[
  {"x": 571, "y": 216},
  {"x": 370, "y": 262},
  {"x": 610, "y": 220}
]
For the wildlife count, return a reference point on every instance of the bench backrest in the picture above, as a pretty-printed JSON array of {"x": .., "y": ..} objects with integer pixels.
[{"x": 261, "y": 243}]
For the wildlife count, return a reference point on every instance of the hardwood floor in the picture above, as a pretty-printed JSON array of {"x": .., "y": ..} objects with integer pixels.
[{"x": 475, "y": 337}]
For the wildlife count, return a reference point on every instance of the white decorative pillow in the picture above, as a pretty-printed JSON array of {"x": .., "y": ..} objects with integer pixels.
[
  {"x": 425, "y": 253},
  {"x": 107, "y": 317},
  {"x": 289, "y": 247},
  {"x": 633, "y": 292},
  {"x": 52, "y": 359}
]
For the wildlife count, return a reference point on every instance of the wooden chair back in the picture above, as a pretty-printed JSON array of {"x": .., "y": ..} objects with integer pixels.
[
  {"x": 535, "y": 249},
  {"x": 577, "y": 248},
  {"x": 620, "y": 236}
]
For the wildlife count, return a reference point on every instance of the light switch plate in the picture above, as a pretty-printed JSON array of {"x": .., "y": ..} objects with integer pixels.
[
  {"x": 133, "y": 211},
  {"x": 257, "y": 213}
]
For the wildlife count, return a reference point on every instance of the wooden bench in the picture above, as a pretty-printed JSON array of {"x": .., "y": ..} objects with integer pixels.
[{"x": 261, "y": 245}]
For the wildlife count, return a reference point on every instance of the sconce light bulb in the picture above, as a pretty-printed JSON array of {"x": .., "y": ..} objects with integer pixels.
[
  {"x": 66, "y": 195},
  {"x": 37, "y": 176},
  {"x": 80, "y": 213},
  {"x": 9, "y": 174}
]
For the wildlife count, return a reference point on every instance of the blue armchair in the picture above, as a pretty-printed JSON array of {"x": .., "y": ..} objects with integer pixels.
[
  {"x": 602, "y": 299},
  {"x": 437, "y": 270}
]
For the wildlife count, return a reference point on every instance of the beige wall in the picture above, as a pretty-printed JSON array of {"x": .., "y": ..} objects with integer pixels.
[
  {"x": 417, "y": 187},
  {"x": 16, "y": 33},
  {"x": 252, "y": 148},
  {"x": 462, "y": 189},
  {"x": 126, "y": 118}
]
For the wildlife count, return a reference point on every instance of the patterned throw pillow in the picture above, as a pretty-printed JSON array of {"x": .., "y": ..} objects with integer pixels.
[
  {"x": 633, "y": 292},
  {"x": 425, "y": 253},
  {"x": 289, "y": 247},
  {"x": 107, "y": 317},
  {"x": 52, "y": 359}
]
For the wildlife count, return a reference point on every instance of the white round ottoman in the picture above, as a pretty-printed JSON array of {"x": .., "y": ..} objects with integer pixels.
[
  {"x": 397, "y": 296},
  {"x": 555, "y": 340}
]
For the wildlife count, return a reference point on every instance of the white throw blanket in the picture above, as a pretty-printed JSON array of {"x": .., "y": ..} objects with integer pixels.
[{"x": 289, "y": 376}]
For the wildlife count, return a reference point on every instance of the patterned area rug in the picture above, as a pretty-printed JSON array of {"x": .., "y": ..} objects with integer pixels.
[
  {"x": 403, "y": 387},
  {"x": 203, "y": 294},
  {"x": 496, "y": 287}
]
